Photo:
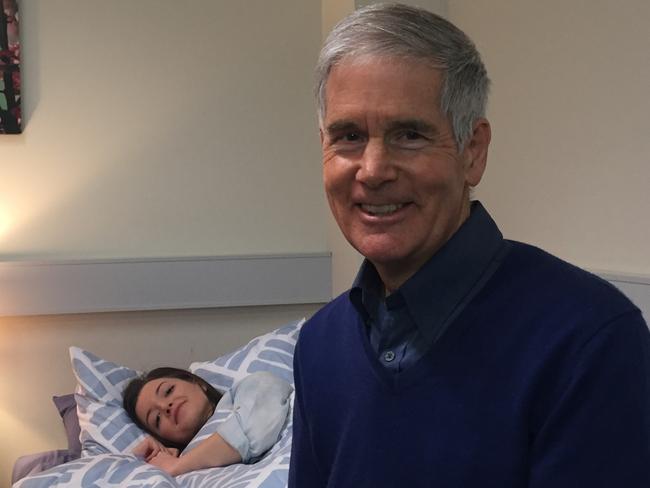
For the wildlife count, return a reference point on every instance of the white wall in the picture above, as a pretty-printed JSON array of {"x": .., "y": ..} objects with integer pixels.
[
  {"x": 153, "y": 129},
  {"x": 160, "y": 128},
  {"x": 569, "y": 166}
]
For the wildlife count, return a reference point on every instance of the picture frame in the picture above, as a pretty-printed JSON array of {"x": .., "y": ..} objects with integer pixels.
[{"x": 10, "y": 84}]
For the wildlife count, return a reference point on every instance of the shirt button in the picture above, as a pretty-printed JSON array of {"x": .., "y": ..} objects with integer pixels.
[{"x": 389, "y": 356}]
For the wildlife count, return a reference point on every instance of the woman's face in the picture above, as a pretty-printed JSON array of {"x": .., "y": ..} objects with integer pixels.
[{"x": 173, "y": 409}]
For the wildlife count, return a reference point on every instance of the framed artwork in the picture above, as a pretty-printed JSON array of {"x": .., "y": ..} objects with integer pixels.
[{"x": 10, "y": 113}]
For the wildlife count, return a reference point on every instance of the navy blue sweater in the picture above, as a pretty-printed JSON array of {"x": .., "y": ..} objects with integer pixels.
[{"x": 543, "y": 381}]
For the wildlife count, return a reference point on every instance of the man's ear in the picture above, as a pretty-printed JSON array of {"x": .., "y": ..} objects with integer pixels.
[{"x": 476, "y": 151}]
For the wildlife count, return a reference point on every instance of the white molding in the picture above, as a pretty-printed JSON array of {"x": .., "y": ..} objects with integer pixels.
[
  {"x": 635, "y": 286},
  {"x": 624, "y": 277},
  {"x": 61, "y": 287}
]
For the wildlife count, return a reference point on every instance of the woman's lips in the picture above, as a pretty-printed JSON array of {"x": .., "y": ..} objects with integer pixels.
[{"x": 176, "y": 411}]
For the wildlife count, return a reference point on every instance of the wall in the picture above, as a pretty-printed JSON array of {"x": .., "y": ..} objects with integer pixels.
[
  {"x": 569, "y": 164},
  {"x": 153, "y": 130}
]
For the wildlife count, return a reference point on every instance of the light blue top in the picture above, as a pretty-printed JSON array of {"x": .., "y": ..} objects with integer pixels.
[{"x": 259, "y": 405}]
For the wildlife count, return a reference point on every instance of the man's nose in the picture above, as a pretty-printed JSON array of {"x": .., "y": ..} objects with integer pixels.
[{"x": 376, "y": 165}]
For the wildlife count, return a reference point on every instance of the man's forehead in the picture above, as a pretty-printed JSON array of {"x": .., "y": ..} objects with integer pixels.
[
  {"x": 383, "y": 65},
  {"x": 390, "y": 85},
  {"x": 356, "y": 98}
]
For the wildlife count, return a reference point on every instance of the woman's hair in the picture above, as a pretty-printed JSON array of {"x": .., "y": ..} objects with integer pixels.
[
  {"x": 405, "y": 32},
  {"x": 133, "y": 389}
]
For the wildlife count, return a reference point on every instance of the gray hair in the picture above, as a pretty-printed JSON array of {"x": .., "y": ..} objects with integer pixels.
[{"x": 395, "y": 30}]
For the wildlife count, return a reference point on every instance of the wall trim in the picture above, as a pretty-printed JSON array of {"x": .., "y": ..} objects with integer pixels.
[
  {"x": 62, "y": 287},
  {"x": 635, "y": 286},
  {"x": 118, "y": 285}
]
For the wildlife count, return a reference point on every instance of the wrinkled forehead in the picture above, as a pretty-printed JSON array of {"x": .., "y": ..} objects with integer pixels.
[
  {"x": 397, "y": 87},
  {"x": 377, "y": 64}
]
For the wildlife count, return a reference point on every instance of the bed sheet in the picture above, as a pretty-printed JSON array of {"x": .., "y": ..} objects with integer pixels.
[
  {"x": 106, "y": 466},
  {"x": 121, "y": 470}
]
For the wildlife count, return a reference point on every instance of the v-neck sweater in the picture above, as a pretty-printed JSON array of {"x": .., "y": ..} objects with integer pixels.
[
  {"x": 542, "y": 381},
  {"x": 403, "y": 325}
]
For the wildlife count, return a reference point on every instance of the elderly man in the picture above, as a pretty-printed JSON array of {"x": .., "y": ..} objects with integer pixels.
[{"x": 458, "y": 359}]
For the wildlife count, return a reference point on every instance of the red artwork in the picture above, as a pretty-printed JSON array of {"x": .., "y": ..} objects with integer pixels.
[{"x": 10, "y": 115}]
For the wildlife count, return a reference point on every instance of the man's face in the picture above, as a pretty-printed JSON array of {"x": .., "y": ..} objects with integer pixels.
[{"x": 395, "y": 181}]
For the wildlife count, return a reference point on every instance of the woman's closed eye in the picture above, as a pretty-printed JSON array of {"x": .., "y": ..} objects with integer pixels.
[{"x": 169, "y": 390}]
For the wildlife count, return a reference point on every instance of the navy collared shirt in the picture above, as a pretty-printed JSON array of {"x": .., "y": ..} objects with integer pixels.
[{"x": 403, "y": 326}]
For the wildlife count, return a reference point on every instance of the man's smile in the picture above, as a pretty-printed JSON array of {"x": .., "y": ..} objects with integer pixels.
[{"x": 385, "y": 209}]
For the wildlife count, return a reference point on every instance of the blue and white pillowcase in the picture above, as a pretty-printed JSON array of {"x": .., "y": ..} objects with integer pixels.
[
  {"x": 272, "y": 352},
  {"x": 105, "y": 425}
]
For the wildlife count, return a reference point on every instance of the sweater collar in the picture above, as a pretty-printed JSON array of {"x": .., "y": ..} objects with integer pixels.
[{"x": 439, "y": 286}]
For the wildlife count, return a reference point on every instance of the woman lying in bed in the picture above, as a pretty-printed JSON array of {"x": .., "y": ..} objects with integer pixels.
[{"x": 173, "y": 404}]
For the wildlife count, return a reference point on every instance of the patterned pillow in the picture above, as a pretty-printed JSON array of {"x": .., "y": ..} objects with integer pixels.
[
  {"x": 105, "y": 426},
  {"x": 271, "y": 352}
]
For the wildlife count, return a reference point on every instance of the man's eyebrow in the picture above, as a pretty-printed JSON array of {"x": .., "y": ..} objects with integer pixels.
[
  {"x": 417, "y": 125},
  {"x": 341, "y": 126}
]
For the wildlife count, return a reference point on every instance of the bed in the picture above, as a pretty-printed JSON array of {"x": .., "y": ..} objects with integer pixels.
[{"x": 100, "y": 433}]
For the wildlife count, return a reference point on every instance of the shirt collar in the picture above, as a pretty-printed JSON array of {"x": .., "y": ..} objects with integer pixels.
[{"x": 437, "y": 288}]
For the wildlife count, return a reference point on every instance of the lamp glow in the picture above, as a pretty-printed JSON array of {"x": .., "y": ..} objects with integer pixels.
[{"x": 4, "y": 222}]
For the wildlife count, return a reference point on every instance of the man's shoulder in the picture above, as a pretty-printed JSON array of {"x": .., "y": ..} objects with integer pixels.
[
  {"x": 554, "y": 280},
  {"x": 329, "y": 321},
  {"x": 328, "y": 333},
  {"x": 549, "y": 304},
  {"x": 340, "y": 308}
]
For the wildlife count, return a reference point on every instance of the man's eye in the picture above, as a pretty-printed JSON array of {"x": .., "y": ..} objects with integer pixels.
[
  {"x": 411, "y": 135},
  {"x": 352, "y": 137},
  {"x": 410, "y": 139},
  {"x": 345, "y": 138}
]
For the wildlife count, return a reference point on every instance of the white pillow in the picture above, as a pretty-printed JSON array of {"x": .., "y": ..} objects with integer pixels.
[{"x": 105, "y": 426}]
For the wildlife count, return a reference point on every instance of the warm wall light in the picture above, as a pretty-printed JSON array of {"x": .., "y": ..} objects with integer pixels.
[{"x": 4, "y": 222}]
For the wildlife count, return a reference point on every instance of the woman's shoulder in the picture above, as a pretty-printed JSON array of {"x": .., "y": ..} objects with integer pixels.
[{"x": 261, "y": 383}]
